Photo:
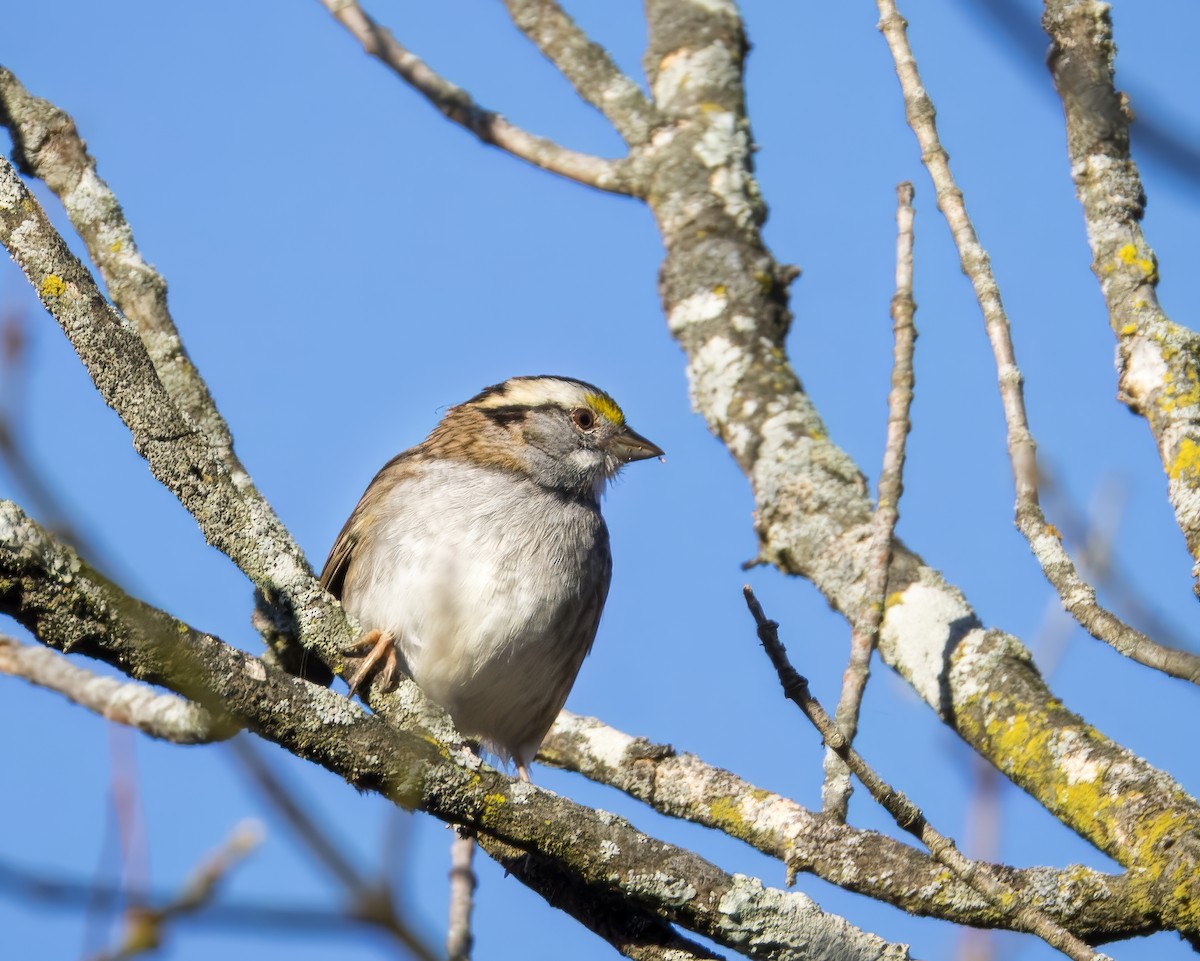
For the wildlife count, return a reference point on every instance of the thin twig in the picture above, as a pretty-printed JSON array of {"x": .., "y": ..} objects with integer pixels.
[
  {"x": 165, "y": 716},
  {"x": 907, "y": 815},
  {"x": 287, "y": 804},
  {"x": 462, "y": 895},
  {"x": 49, "y": 891},
  {"x": 369, "y": 901},
  {"x": 588, "y": 67},
  {"x": 144, "y": 926},
  {"x": 836, "y": 791},
  {"x": 490, "y": 127},
  {"x": 1077, "y": 596}
]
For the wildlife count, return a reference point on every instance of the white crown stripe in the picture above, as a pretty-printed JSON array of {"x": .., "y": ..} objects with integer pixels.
[{"x": 535, "y": 392}]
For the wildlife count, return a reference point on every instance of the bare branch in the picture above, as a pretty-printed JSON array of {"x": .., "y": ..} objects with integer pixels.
[
  {"x": 457, "y": 105},
  {"x": 44, "y": 889},
  {"x": 726, "y": 302},
  {"x": 1158, "y": 360},
  {"x": 865, "y": 634},
  {"x": 1092, "y": 533},
  {"x": 1026, "y": 916},
  {"x": 1098, "y": 906},
  {"x": 47, "y": 146},
  {"x": 462, "y": 896},
  {"x": 233, "y": 516},
  {"x": 587, "y": 66},
  {"x": 144, "y": 926},
  {"x": 49, "y": 590},
  {"x": 165, "y": 716},
  {"x": 1077, "y": 595},
  {"x": 368, "y": 901}
]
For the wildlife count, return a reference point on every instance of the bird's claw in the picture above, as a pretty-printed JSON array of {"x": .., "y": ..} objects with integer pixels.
[{"x": 374, "y": 646}]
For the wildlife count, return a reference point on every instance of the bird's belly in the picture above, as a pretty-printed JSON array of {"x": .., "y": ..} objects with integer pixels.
[{"x": 492, "y": 611}]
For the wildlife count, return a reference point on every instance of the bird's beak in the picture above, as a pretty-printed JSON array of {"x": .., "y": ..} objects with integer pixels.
[{"x": 629, "y": 445}]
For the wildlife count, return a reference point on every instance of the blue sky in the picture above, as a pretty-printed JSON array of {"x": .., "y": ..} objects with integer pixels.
[{"x": 344, "y": 264}]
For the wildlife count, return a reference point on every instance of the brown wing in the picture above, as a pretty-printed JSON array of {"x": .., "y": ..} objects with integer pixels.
[{"x": 333, "y": 576}]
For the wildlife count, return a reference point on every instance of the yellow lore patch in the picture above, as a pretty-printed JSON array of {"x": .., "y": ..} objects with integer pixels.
[{"x": 606, "y": 407}]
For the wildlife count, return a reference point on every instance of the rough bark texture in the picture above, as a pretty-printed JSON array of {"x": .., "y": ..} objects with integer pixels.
[
  {"x": 164, "y": 716},
  {"x": 47, "y": 588},
  {"x": 192, "y": 464},
  {"x": 1096, "y": 906},
  {"x": 726, "y": 302},
  {"x": 1158, "y": 360}
]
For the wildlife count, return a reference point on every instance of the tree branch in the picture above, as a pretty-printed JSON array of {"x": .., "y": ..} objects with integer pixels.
[
  {"x": 456, "y": 104},
  {"x": 233, "y": 516},
  {"x": 588, "y": 67},
  {"x": 637, "y": 935},
  {"x": 53, "y": 593},
  {"x": 726, "y": 302},
  {"x": 1024, "y": 912},
  {"x": 1077, "y": 595},
  {"x": 47, "y": 145},
  {"x": 865, "y": 634},
  {"x": 164, "y": 716},
  {"x": 1099, "y": 907},
  {"x": 1158, "y": 360}
]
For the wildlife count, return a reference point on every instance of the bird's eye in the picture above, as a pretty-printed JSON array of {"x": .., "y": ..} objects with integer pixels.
[{"x": 583, "y": 418}]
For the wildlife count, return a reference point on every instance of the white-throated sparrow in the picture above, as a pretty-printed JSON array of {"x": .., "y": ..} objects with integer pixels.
[{"x": 479, "y": 559}]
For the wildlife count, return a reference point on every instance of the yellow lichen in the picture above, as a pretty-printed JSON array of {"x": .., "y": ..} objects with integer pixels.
[
  {"x": 53, "y": 286},
  {"x": 727, "y": 815},
  {"x": 1129, "y": 330},
  {"x": 1187, "y": 460},
  {"x": 1129, "y": 256},
  {"x": 491, "y": 808},
  {"x": 1179, "y": 391}
]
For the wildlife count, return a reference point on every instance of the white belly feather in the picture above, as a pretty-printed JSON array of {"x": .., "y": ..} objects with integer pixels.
[{"x": 493, "y": 603}]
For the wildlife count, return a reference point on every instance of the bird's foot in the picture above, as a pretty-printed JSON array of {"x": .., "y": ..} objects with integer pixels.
[{"x": 374, "y": 646}]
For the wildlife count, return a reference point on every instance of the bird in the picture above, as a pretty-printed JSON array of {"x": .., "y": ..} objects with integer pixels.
[{"x": 478, "y": 562}]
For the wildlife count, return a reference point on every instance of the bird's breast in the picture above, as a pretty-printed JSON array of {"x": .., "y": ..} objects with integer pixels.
[{"x": 477, "y": 571}]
